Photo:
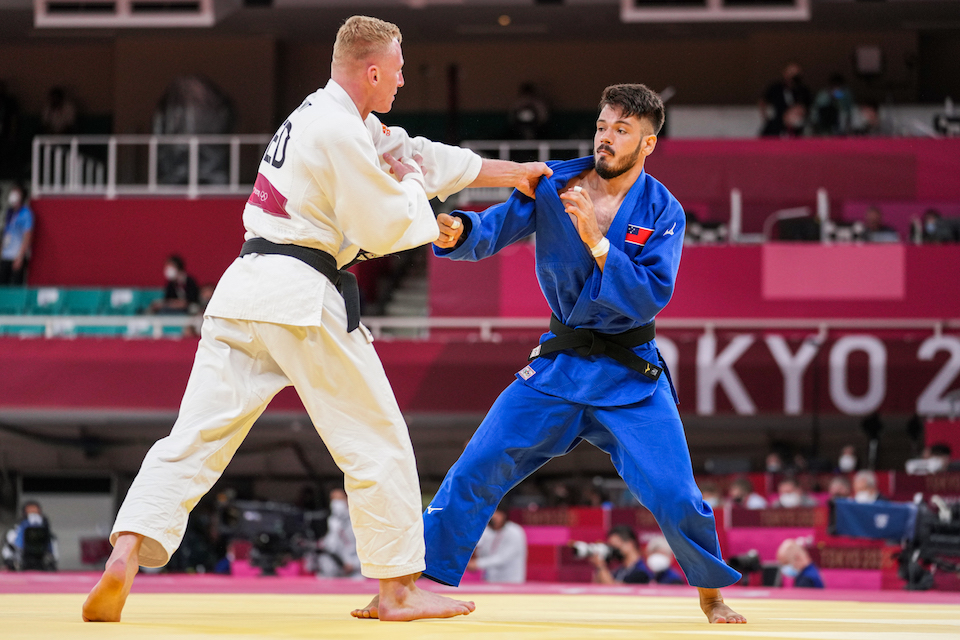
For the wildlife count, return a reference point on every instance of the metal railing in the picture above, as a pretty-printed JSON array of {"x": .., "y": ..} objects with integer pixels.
[{"x": 132, "y": 165}]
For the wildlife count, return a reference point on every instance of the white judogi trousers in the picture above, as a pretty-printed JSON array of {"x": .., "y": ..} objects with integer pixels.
[{"x": 240, "y": 366}]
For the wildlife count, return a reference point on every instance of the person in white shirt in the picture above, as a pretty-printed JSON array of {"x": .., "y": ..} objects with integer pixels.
[
  {"x": 323, "y": 194},
  {"x": 502, "y": 551}
]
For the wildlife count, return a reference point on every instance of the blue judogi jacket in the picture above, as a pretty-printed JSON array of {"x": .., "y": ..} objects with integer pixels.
[{"x": 646, "y": 238}]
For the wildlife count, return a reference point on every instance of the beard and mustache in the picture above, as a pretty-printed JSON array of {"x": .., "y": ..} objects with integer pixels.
[{"x": 607, "y": 167}]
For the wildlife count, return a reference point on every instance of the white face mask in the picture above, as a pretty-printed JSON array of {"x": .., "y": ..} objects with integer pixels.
[
  {"x": 170, "y": 272},
  {"x": 864, "y": 497},
  {"x": 658, "y": 562},
  {"x": 14, "y": 199},
  {"x": 35, "y": 519},
  {"x": 339, "y": 509},
  {"x": 790, "y": 500},
  {"x": 847, "y": 463}
]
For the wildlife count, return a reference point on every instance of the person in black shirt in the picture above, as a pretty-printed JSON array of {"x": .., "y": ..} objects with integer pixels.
[
  {"x": 623, "y": 545},
  {"x": 181, "y": 295},
  {"x": 785, "y": 104}
]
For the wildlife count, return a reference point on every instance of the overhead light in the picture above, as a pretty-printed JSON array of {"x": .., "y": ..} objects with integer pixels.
[{"x": 504, "y": 20}]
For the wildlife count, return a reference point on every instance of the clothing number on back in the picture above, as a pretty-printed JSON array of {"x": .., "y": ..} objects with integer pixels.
[{"x": 279, "y": 146}]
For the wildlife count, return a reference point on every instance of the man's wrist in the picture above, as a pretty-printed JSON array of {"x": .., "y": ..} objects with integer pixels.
[{"x": 601, "y": 248}]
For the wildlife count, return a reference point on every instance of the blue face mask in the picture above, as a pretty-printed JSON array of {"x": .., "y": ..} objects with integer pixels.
[{"x": 789, "y": 570}]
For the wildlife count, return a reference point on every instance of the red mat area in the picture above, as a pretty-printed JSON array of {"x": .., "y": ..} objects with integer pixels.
[{"x": 82, "y": 582}]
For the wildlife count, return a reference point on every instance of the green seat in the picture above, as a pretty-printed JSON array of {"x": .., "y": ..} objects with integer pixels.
[
  {"x": 45, "y": 301},
  {"x": 23, "y": 330},
  {"x": 13, "y": 301},
  {"x": 83, "y": 302},
  {"x": 122, "y": 302},
  {"x": 146, "y": 296},
  {"x": 106, "y": 331}
]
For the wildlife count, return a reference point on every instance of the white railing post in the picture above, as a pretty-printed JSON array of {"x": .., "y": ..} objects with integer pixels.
[
  {"x": 504, "y": 150},
  {"x": 823, "y": 212},
  {"x": 194, "y": 168},
  {"x": 35, "y": 170},
  {"x": 73, "y": 179},
  {"x": 152, "y": 164},
  {"x": 58, "y": 168},
  {"x": 736, "y": 215},
  {"x": 112, "y": 168},
  {"x": 543, "y": 151},
  {"x": 234, "y": 163}
]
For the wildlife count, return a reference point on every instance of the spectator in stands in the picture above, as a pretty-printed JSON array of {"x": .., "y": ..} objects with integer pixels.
[
  {"x": 31, "y": 545},
  {"x": 17, "y": 237},
  {"x": 933, "y": 229},
  {"x": 338, "y": 550},
  {"x": 659, "y": 560},
  {"x": 839, "y": 487},
  {"x": 832, "y": 112},
  {"x": 785, "y": 104},
  {"x": 711, "y": 493},
  {"x": 795, "y": 563},
  {"x": 874, "y": 229},
  {"x": 624, "y": 547},
  {"x": 529, "y": 114},
  {"x": 774, "y": 463},
  {"x": 182, "y": 295},
  {"x": 9, "y": 150},
  {"x": 502, "y": 551},
  {"x": 741, "y": 494},
  {"x": 867, "y": 121},
  {"x": 865, "y": 487},
  {"x": 59, "y": 115},
  {"x": 935, "y": 459},
  {"x": 790, "y": 495},
  {"x": 847, "y": 462}
]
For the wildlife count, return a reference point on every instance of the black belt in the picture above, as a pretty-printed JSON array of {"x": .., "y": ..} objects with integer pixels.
[
  {"x": 587, "y": 342},
  {"x": 344, "y": 281}
]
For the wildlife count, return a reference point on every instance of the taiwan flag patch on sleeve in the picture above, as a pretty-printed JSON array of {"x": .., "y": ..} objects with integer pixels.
[{"x": 637, "y": 234}]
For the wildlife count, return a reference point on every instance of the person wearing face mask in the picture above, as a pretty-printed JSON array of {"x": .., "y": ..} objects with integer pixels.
[
  {"x": 17, "y": 238},
  {"x": 741, "y": 494},
  {"x": 338, "y": 557},
  {"x": 795, "y": 563},
  {"x": 181, "y": 293},
  {"x": 865, "y": 488},
  {"x": 847, "y": 462},
  {"x": 31, "y": 545},
  {"x": 791, "y": 496},
  {"x": 659, "y": 561}
]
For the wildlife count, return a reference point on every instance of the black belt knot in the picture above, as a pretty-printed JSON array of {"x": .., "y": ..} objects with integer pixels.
[
  {"x": 344, "y": 281},
  {"x": 587, "y": 342}
]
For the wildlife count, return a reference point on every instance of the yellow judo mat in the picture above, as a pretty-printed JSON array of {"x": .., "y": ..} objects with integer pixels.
[{"x": 524, "y": 617}]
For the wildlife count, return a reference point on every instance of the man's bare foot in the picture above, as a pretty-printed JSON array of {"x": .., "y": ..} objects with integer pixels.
[
  {"x": 711, "y": 602},
  {"x": 372, "y": 610},
  {"x": 400, "y": 600},
  {"x": 106, "y": 600}
]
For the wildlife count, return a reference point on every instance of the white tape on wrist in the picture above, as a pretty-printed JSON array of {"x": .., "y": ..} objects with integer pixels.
[{"x": 600, "y": 249}]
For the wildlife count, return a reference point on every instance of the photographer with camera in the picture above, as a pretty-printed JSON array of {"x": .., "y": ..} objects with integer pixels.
[
  {"x": 31, "y": 545},
  {"x": 623, "y": 547}
]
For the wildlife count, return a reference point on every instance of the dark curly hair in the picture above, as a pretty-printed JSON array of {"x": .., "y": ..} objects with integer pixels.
[{"x": 635, "y": 100}]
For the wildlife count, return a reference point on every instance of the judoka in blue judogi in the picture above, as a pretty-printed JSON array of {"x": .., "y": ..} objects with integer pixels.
[{"x": 625, "y": 404}]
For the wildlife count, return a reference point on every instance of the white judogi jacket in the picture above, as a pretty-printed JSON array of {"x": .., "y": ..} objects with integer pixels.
[{"x": 323, "y": 183}]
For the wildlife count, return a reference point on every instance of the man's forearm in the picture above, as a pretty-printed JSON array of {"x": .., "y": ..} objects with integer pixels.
[{"x": 498, "y": 173}]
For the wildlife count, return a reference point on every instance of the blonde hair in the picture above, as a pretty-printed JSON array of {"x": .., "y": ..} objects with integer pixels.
[{"x": 361, "y": 36}]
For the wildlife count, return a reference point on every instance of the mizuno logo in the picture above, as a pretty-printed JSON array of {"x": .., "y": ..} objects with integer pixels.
[
  {"x": 430, "y": 510},
  {"x": 669, "y": 232}
]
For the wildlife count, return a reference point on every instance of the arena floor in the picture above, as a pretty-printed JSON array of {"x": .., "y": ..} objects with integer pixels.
[{"x": 209, "y": 607}]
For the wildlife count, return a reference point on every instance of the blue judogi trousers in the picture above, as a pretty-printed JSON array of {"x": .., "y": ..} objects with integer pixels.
[{"x": 525, "y": 428}]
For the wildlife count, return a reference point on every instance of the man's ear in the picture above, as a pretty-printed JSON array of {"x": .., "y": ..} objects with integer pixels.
[
  {"x": 648, "y": 145},
  {"x": 373, "y": 74}
]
